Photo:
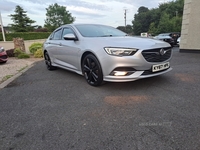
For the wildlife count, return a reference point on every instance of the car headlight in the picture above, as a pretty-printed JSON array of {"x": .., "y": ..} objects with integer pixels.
[
  {"x": 120, "y": 51},
  {"x": 1, "y": 49}
]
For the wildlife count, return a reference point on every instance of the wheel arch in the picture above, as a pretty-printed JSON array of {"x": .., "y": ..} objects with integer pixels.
[
  {"x": 44, "y": 51},
  {"x": 85, "y": 54},
  {"x": 94, "y": 80}
]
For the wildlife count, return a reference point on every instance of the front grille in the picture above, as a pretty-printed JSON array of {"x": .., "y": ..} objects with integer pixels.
[
  {"x": 154, "y": 55},
  {"x": 4, "y": 57}
]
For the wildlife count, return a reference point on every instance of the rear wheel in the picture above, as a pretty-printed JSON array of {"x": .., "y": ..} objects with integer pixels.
[
  {"x": 92, "y": 71},
  {"x": 48, "y": 62}
]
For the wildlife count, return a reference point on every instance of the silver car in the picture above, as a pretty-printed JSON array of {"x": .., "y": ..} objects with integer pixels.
[{"x": 103, "y": 53}]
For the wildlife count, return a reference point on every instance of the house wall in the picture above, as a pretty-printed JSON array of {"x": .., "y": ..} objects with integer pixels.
[{"x": 190, "y": 34}]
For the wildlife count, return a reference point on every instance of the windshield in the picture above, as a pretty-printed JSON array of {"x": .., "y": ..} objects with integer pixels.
[{"x": 98, "y": 31}]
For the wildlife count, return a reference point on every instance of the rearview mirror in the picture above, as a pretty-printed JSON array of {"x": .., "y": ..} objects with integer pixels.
[{"x": 70, "y": 36}]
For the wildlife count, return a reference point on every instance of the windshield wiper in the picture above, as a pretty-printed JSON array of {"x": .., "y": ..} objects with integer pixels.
[
  {"x": 109, "y": 35},
  {"x": 106, "y": 35}
]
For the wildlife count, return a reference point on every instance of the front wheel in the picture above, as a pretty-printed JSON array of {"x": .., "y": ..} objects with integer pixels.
[
  {"x": 48, "y": 62},
  {"x": 92, "y": 71}
]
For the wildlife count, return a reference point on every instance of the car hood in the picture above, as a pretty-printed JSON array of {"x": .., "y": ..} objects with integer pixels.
[{"x": 128, "y": 42}]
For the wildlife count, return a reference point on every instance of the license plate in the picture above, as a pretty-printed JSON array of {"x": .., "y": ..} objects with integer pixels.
[{"x": 160, "y": 67}]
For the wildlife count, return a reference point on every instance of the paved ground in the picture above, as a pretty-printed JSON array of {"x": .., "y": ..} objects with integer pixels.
[
  {"x": 48, "y": 110},
  {"x": 14, "y": 66}
]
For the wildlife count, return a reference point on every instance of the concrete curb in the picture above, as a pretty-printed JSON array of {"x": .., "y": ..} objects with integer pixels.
[{"x": 5, "y": 83}]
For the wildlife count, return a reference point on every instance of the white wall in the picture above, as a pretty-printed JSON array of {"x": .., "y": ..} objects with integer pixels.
[{"x": 190, "y": 34}]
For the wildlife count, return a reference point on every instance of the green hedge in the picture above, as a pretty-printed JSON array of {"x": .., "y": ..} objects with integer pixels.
[{"x": 25, "y": 35}]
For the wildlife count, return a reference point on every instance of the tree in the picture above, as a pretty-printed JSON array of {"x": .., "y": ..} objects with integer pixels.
[
  {"x": 128, "y": 29},
  {"x": 152, "y": 29},
  {"x": 22, "y": 23},
  {"x": 165, "y": 24},
  {"x": 56, "y": 16},
  {"x": 143, "y": 9},
  {"x": 141, "y": 21},
  {"x": 166, "y": 18},
  {"x": 122, "y": 28}
]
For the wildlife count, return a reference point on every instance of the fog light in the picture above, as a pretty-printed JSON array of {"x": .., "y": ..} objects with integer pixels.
[{"x": 120, "y": 73}]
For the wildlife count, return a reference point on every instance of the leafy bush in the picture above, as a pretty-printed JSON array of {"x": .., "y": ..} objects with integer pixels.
[
  {"x": 20, "y": 54},
  {"x": 41, "y": 30},
  {"x": 38, "y": 53},
  {"x": 23, "y": 55},
  {"x": 17, "y": 52},
  {"x": 25, "y": 35},
  {"x": 34, "y": 47}
]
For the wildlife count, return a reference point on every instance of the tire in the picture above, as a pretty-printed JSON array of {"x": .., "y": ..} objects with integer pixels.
[
  {"x": 92, "y": 71},
  {"x": 48, "y": 62},
  {"x": 3, "y": 62}
]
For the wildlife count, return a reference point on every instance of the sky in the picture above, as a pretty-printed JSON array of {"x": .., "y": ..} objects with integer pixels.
[{"x": 107, "y": 12}]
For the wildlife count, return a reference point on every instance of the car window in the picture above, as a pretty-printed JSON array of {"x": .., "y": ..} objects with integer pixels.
[
  {"x": 67, "y": 31},
  {"x": 51, "y": 36},
  {"x": 98, "y": 31},
  {"x": 57, "y": 35}
]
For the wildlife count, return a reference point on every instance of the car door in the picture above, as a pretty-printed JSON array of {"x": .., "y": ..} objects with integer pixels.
[
  {"x": 54, "y": 45},
  {"x": 68, "y": 51}
]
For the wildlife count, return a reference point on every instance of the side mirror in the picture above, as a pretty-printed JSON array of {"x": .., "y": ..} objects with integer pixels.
[{"x": 70, "y": 36}]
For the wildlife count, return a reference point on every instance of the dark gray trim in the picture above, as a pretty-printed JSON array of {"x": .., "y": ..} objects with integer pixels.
[{"x": 189, "y": 51}]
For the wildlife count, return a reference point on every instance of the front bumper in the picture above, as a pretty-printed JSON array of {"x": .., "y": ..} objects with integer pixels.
[
  {"x": 135, "y": 76},
  {"x": 3, "y": 57},
  {"x": 137, "y": 66}
]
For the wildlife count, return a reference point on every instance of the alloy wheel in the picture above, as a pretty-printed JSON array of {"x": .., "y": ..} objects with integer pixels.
[{"x": 92, "y": 70}]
